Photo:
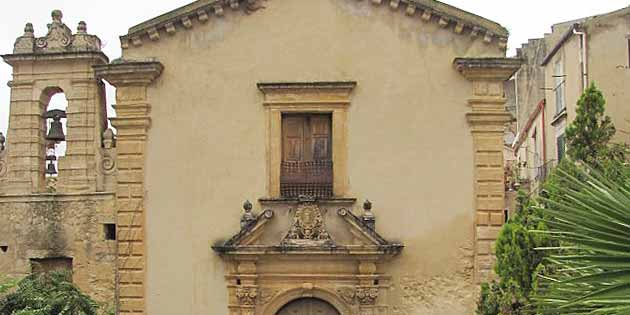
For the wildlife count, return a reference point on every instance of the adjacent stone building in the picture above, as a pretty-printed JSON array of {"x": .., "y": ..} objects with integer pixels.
[
  {"x": 304, "y": 108},
  {"x": 555, "y": 72}
]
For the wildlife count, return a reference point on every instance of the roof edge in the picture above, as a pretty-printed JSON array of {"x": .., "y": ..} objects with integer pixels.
[
  {"x": 522, "y": 134},
  {"x": 428, "y": 10},
  {"x": 567, "y": 35}
]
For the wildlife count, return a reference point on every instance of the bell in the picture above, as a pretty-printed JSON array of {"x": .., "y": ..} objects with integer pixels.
[
  {"x": 51, "y": 169},
  {"x": 55, "y": 132}
]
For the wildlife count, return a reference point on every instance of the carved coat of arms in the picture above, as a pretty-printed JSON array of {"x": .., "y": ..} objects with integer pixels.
[{"x": 307, "y": 228}]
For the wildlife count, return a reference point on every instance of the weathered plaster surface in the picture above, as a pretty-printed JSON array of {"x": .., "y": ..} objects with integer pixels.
[
  {"x": 48, "y": 226},
  {"x": 208, "y": 131}
]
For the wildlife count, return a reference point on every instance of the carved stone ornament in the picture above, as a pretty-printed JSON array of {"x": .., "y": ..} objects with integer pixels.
[
  {"x": 3, "y": 162},
  {"x": 108, "y": 165},
  {"x": 348, "y": 294},
  {"x": 307, "y": 228},
  {"x": 266, "y": 295},
  {"x": 3, "y": 167},
  {"x": 58, "y": 39},
  {"x": 246, "y": 296},
  {"x": 367, "y": 295},
  {"x": 59, "y": 35}
]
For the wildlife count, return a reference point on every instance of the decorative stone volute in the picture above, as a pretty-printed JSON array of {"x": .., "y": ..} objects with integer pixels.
[
  {"x": 3, "y": 164},
  {"x": 58, "y": 39}
]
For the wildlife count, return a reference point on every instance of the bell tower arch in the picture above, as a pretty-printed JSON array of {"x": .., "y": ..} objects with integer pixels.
[{"x": 60, "y": 62}]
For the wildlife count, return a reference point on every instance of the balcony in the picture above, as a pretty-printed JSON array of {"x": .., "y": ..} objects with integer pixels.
[{"x": 307, "y": 178}]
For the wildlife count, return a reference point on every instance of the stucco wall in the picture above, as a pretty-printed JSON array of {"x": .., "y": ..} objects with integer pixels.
[
  {"x": 206, "y": 149},
  {"x": 608, "y": 68}
]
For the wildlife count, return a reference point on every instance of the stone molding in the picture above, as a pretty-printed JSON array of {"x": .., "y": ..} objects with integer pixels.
[
  {"x": 487, "y": 121},
  {"x": 131, "y": 79},
  {"x": 459, "y": 21}
]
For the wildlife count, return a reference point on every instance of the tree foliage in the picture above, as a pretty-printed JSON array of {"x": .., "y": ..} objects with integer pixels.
[
  {"x": 47, "y": 294},
  {"x": 591, "y": 268},
  {"x": 528, "y": 277},
  {"x": 589, "y": 134}
]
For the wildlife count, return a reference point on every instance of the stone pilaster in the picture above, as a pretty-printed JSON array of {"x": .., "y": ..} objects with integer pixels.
[
  {"x": 487, "y": 121},
  {"x": 131, "y": 80},
  {"x": 25, "y": 160},
  {"x": 79, "y": 167}
]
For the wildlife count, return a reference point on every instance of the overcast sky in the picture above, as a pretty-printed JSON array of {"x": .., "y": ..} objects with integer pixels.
[{"x": 109, "y": 19}]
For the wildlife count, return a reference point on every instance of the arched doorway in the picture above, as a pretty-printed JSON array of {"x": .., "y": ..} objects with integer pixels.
[{"x": 308, "y": 306}]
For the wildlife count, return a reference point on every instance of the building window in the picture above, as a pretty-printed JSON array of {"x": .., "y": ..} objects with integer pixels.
[
  {"x": 559, "y": 80},
  {"x": 42, "y": 265},
  {"x": 303, "y": 118},
  {"x": 561, "y": 146},
  {"x": 307, "y": 166},
  {"x": 110, "y": 231}
]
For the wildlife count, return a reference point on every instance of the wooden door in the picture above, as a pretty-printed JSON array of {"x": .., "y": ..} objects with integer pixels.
[
  {"x": 306, "y": 167},
  {"x": 308, "y": 306}
]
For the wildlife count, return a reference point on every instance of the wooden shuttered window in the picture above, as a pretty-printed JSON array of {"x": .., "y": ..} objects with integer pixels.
[{"x": 306, "y": 156}]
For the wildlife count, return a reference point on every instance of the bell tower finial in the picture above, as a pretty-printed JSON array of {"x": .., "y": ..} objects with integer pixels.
[{"x": 57, "y": 15}]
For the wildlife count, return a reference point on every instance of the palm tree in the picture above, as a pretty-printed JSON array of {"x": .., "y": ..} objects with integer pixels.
[{"x": 589, "y": 273}]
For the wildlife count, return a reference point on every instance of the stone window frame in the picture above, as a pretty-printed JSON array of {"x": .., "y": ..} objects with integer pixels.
[{"x": 309, "y": 98}]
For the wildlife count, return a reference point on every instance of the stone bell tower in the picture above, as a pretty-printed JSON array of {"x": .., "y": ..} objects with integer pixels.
[
  {"x": 58, "y": 212},
  {"x": 60, "y": 62}
]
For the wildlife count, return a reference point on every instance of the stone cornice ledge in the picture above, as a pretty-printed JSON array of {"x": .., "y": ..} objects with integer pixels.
[
  {"x": 13, "y": 59},
  {"x": 266, "y": 87},
  {"x": 446, "y": 16},
  {"x": 487, "y": 68},
  {"x": 130, "y": 72},
  {"x": 318, "y": 94}
]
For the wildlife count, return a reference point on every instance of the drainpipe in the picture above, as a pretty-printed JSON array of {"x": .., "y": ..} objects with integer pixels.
[
  {"x": 518, "y": 127},
  {"x": 583, "y": 55},
  {"x": 543, "y": 134}
]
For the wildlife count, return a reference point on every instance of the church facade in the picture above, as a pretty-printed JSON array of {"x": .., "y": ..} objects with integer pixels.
[{"x": 266, "y": 158}]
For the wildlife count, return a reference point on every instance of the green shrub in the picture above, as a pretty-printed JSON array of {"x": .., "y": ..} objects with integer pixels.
[{"x": 47, "y": 294}]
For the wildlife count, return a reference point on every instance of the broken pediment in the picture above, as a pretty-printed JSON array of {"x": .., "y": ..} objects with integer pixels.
[
  {"x": 308, "y": 225},
  {"x": 428, "y": 11}
]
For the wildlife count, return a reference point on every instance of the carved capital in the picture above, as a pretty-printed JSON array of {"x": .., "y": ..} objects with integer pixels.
[
  {"x": 487, "y": 69},
  {"x": 246, "y": 296},
  {"x": 348, "y": 294},
  {"x": 367, "y": 295},
  {"x": 129, "y": 73}
]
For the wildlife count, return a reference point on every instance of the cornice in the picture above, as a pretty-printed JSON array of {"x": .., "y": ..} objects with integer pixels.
[
  {"x": 129, "y": 72},
  {"x": 487, "y": 68},
  {"x": 13, "y": 59},
  {"x": 446, "y": 16}
]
